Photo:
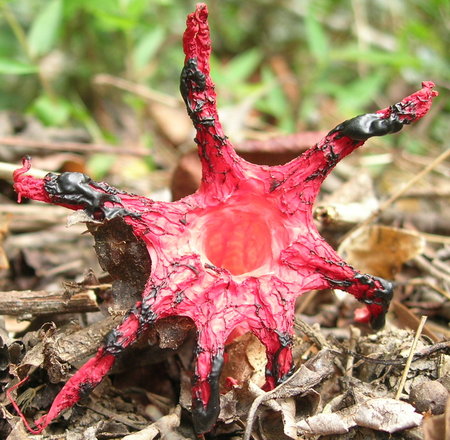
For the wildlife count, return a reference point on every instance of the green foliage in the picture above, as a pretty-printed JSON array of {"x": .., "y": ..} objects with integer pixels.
[
  {"x": 51, "y": 110},
  {"x": 340, "y": 55},
  {"x": 43, "y": 32},
  {"x": 10, "y": 66}
]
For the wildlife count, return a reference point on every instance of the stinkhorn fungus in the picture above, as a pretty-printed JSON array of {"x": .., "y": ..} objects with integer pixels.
[{"x": 235, "y": 254}]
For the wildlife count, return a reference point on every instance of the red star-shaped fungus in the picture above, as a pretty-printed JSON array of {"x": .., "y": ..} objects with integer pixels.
[{"x": 236, "y": 253}]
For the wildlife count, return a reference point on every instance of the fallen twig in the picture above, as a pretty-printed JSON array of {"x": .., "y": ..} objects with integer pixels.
[
  {"x": 138, "y": 89},
  {"x": 430, "y": 268},
  {"x": 410, "y": 357},
  {"x": 41, "y": 302},
  {"x": 71, "y": 146}
]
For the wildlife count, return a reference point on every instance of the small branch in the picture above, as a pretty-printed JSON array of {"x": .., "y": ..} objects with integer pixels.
[
  {"x": 316, "y": 336},
  {"x": 410, "y": 357},
  {"x": 71, "y": 146},
  {"x": 138, "y": 89},
  {"x": 355, "y": 334},
  {"x": 41, "y": 302},
  {"x": 436, "y": 193},
  {"x": 422, "y": 282},
  {"x": 7, "y": 169},
  {"x": 428, "y": 267},
  {"x": 424, "y": 353}
]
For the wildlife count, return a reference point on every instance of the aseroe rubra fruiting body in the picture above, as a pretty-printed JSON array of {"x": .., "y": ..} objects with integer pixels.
[{"x": 236, "y": 253}]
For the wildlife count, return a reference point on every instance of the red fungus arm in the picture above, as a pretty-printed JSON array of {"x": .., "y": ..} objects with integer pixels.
[
  {"x": 238, "y": 252},
  {"x": 220, "y": 163},
  {"x": 28, "y": 186},
  {"x": 311, "y": 168}
]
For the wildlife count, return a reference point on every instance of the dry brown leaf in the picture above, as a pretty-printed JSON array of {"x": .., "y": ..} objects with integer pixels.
[
  {"x": 165, "y": 426},
  {"x": 172, "y": 122},
  {"x": 381, "y": 250},
  {"x": 352, "y": 203},
  {"x": 18, "y": 432},
  {"x": 385, "y": 414},
  {"x": 407, "y": 319},
  {"x": 380, "y": 414},
  {"x": 326, "y": 424},
  {"x": 246, "y": 361}
]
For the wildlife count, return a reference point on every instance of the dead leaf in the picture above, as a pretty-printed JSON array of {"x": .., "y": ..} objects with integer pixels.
[
  {"x": 165, "y": 426},
  {"x": 381, "y": 250},
  {"x": 326, "y": 424},
  {"x": 172, "y": 122},
  {"x": 352, "y": 203},
  {"x": 407, "y": 319},
  {"x": 303, "y": 380},
  {"x": 385, "y": 414},
  {"x": 18, "y": 432},
  {"x": 380, "y": 414},
  {"x": 246, "y": 361}
]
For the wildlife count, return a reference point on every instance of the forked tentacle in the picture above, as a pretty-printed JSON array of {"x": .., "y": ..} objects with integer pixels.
[
  {"x": 220, "y": 162},
  {"x": 205, "y": 382},
  {"x": 95, "y": 369},
  {"x": 279, "y": 355},
  {"x": 324, "y": 269},
  {"x": 311, "y": 168}
]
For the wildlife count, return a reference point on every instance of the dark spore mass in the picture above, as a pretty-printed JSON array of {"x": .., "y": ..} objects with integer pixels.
[{"x": 365, "y": 126}]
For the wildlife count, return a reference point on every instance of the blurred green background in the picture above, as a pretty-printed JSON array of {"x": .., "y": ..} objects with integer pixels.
[{"x": 294, "y": 65}]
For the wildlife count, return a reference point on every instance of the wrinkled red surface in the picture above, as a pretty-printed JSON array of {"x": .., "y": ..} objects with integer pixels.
[{"x": 236, "y": 253}]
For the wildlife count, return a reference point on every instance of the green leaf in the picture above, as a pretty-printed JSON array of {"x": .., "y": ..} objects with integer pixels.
[
  {"x": 51, "y": 111},
  {"x": 375, "y": 57},
  {"x": 44, "y": 30},
  {"x": 355, "y": 96},
  {"x": 242, "y": 66},
  {"x": 147, "y": 46},
  {"x": 100, "y": 164},
  {"x": 316, "y": 37},
  {"x": 13, "y": 67}
]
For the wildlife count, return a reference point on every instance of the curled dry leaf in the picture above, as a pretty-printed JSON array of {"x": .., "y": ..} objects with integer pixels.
[
  {"x": 390, "y": 415},
  {"x": 165, "y": 426},
  {"x": 352, "y": 203},
  {"x": 380, "y": 414},
  {"x": 246, "y": 360},
  {"x": 381, "y": 250}
]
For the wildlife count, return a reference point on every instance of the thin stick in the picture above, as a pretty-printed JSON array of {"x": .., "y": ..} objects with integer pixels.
[
  {"x": 355, "y": 334},
  {"x": 7, "y": 169},
  {"x": 16, "y": 141},
  {"x": 430, "y": 268},
  {"x": 435, "y": 238},
  {"x": 406, "y": 187},
  {"x": 410, "y": 356},
  {"x": 138, "y": 89},
  {"x": 421, "y": 282}
]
